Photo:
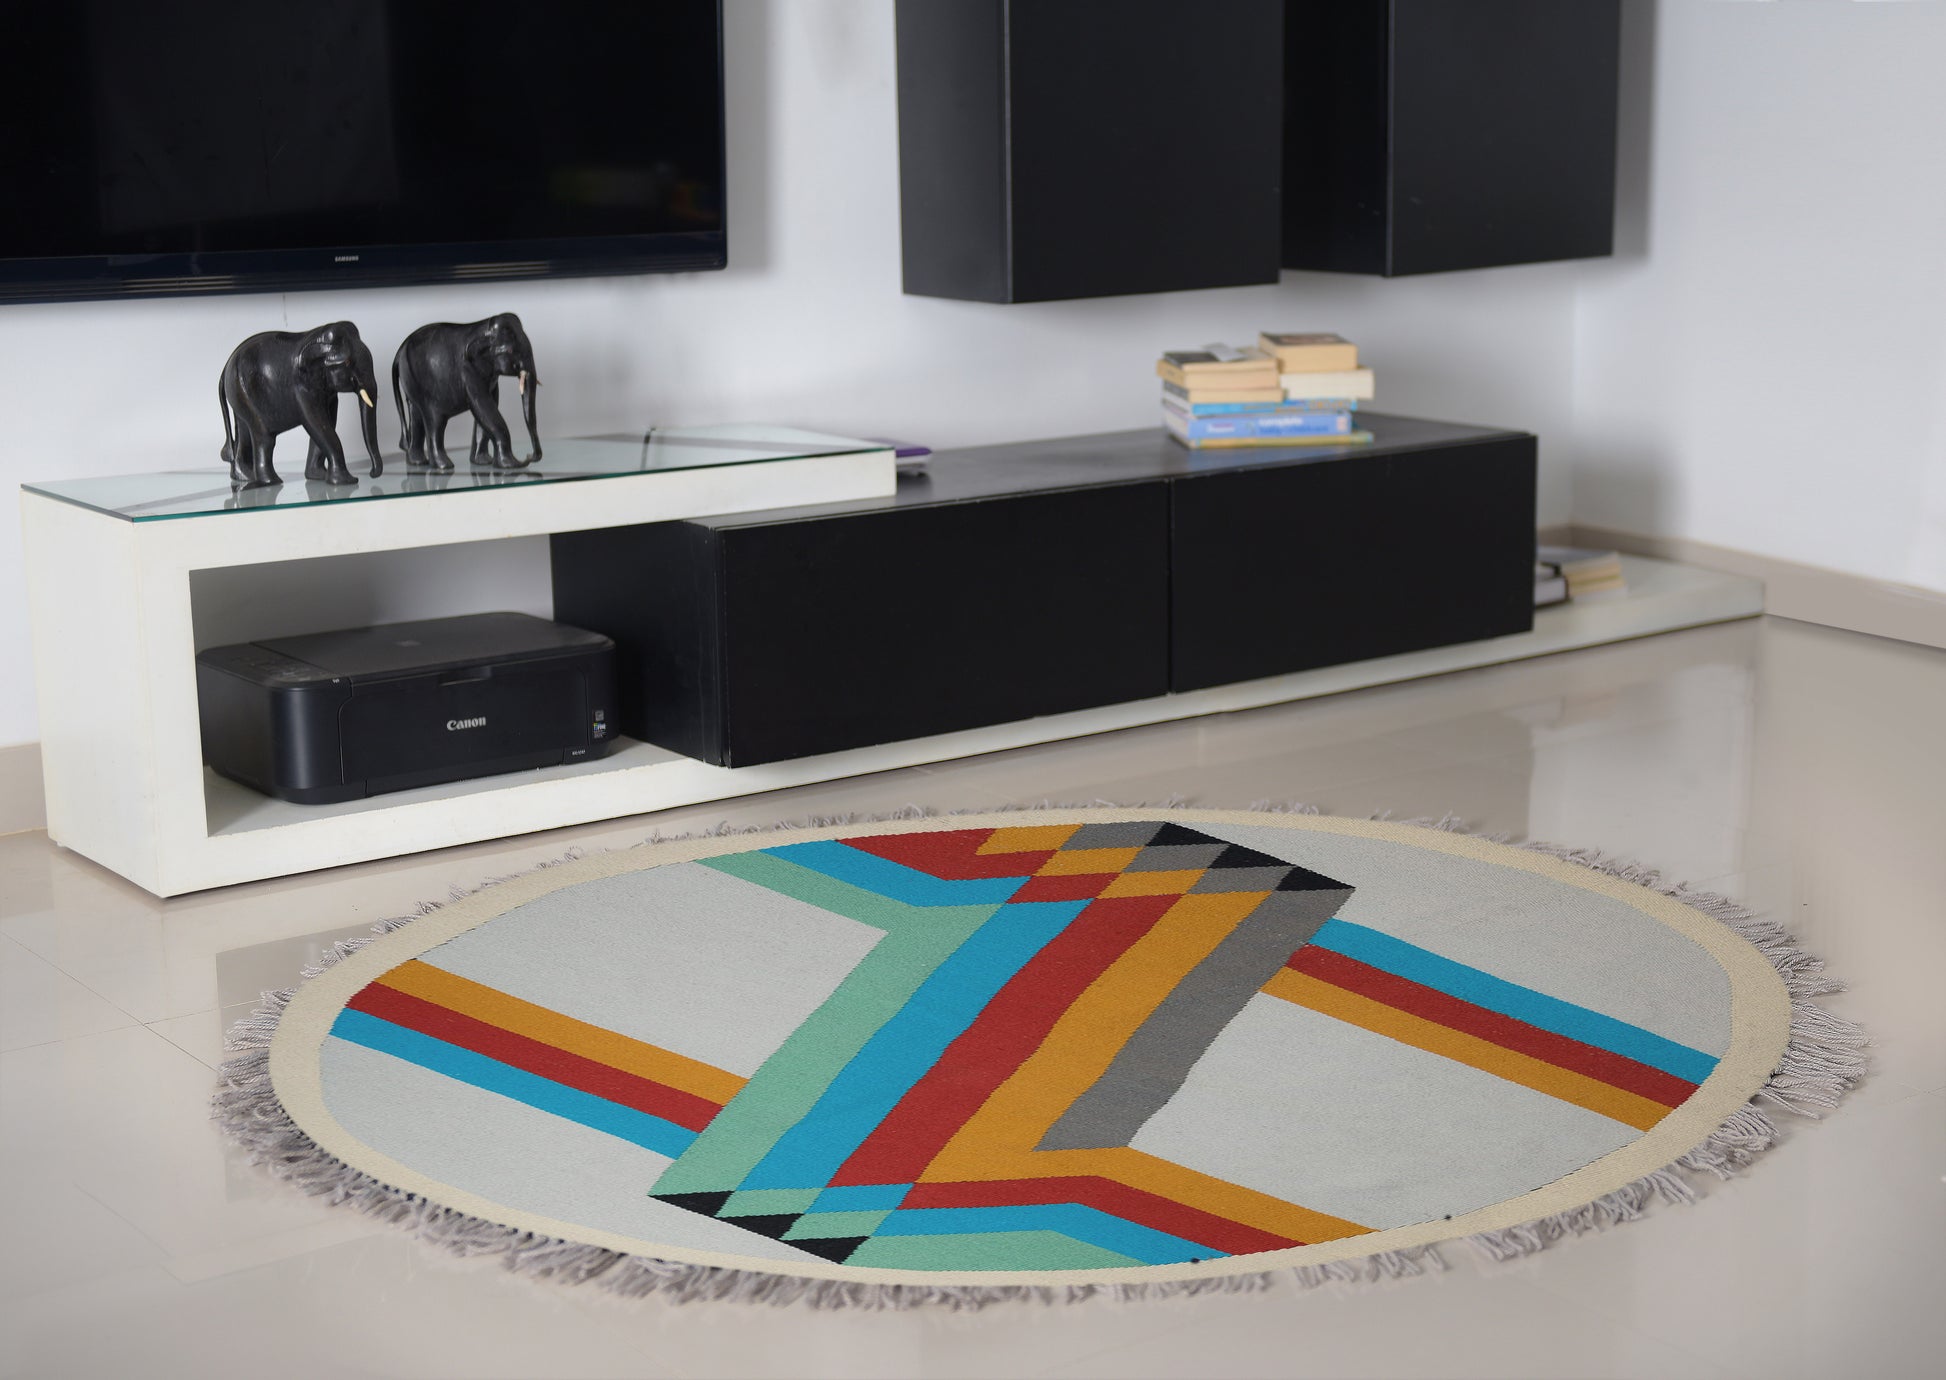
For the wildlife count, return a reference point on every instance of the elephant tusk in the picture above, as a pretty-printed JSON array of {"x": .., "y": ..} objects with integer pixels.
[
  {"x": 523, "y": 383},
  {"x": 367, "y": 397}
]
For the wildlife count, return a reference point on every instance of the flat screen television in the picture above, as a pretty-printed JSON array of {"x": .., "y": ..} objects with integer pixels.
[{"x": 160, "y": 147}]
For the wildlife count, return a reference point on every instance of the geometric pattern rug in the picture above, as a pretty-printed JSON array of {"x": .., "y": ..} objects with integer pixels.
[{"x": 1064, "y": 1047}]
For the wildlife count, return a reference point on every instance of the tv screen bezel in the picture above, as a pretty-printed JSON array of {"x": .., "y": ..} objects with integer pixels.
[{"x": 103, "y": 277}]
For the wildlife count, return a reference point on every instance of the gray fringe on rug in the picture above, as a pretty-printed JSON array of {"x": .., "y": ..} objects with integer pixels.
[{"x": 1824, "y": 1058}]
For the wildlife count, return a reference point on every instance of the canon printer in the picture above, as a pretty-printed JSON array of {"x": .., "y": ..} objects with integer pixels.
[{"x": 340, "y": 715}]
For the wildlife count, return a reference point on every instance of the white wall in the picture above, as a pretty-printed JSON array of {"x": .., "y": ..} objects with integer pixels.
[
  {"x": 1764, "y": 368},
  {"x": 808, "y": 324}
]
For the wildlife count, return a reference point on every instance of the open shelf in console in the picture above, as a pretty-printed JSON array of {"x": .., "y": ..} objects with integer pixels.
[
  {"x": 112, "y": 573},
  {"x": 233, "y": 808}
]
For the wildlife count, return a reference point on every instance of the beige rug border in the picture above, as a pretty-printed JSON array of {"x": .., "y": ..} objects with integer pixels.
[{"x": 1760, "y": 1016}]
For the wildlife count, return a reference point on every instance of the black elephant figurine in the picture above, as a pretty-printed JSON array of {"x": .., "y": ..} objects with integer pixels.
[
  {"x": 280, "y": 379},
  {"x": 445, "y": 369}
]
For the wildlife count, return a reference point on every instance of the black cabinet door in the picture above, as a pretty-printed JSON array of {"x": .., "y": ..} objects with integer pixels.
[
  {"x": 1087, "y": 147},
  {"x": 1300, "y": 566},
  {"x": 1427, "y": 135},
  {"x": 875, "y": 627}
]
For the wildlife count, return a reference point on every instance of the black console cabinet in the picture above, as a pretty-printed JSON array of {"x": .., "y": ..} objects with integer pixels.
[
  {"x": 752, "y": 640},
  {"x": 1428, "y": 135},
  {"x": 1022, "y": 580},
  {"x": 1300, "y": 566},
  {"x": 1087, "y": 147}
]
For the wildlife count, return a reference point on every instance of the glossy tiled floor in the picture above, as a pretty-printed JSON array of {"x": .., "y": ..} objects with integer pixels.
[{"x": 1802, "y": 768}]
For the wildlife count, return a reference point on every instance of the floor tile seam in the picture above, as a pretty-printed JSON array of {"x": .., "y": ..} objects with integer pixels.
[
  {"x": 33, "y": 953},
  {"x": 55, "y": 963},
  {"x": 136, "y": 1017},
  {"x": 80, "y": 982},
  {"x": 163, "y": 1253},
  {"x": 32, "y": 1045},
  {"x": 151, "y": 1026},
  {"x": 166, "y": 1256},
  {"x": 147, "y": 1028},
  {"x": 339, "y": 1229},
  {"x": 21, "y": 1304}
]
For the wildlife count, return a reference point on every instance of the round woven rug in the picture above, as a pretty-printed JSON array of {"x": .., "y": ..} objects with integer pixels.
[{"x": 971, "y": 1056}]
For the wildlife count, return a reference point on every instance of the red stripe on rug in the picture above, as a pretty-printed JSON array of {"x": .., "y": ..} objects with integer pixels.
[
  {"x": 557, "y": 1065},
  {"x": 1616, "y": 1070},
  {"x": 1074, "y": 886},
  {"x": 1105, "y": 1195},
  {"x": 999, "y": 1040},
  {"x": 951, "y": 854}
]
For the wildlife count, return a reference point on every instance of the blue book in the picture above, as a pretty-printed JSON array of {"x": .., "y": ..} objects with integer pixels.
[
  {"x": 1173, "y": 398},
  {"x": 1216, "y": 428}
]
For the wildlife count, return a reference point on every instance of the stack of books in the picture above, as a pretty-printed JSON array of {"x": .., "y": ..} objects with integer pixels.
[
  {"x": 1572, "y": 572},
  {"x": 1549, "y": 588},
  {"x": 1287, "y": 390}
]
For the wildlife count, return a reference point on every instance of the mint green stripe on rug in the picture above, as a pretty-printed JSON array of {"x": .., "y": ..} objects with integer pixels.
[
  {"x": 996, "y": 1250},
  {"x": 828, "y": 893},
  {"x": 790, "y": 1082},
  {"x": 908, "y": 1044}
]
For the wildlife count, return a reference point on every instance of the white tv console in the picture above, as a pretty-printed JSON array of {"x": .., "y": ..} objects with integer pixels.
[
  {"x": 113, "y": 599},
  {"x": 111, "y": 593}
]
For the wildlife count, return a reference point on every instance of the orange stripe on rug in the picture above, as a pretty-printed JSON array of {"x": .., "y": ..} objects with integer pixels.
[
  {"x": 1028, "y": 838},
  {"x": 1301, "y": 989},
  {"x": 1090, "y": 1033},
  {"x": 997, "y": 1141},
  {"x": 494, "y": 1007}
]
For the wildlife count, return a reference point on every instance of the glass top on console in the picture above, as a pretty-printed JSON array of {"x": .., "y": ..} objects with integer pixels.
[{"x": 195, "y": 492}]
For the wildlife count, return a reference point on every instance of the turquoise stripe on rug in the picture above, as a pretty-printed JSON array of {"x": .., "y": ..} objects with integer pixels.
[
  {"x": 463, "y": 1065},
  {"x": 901, "y": 1051},
  {"x": 861, "y": 1197},
  {"x": 1510, "y": 999}
]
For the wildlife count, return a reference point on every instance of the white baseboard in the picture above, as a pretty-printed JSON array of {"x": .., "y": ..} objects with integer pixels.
[
  {"x": 1810, "y": 593},
  {"x": 22, "y": 804}
]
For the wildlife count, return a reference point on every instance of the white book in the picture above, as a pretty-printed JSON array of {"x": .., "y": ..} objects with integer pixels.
[{"x": 1341, "y": 383}]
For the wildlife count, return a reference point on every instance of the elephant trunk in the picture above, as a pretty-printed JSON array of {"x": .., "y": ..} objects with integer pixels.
[{"x": 529, "y": 387}]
